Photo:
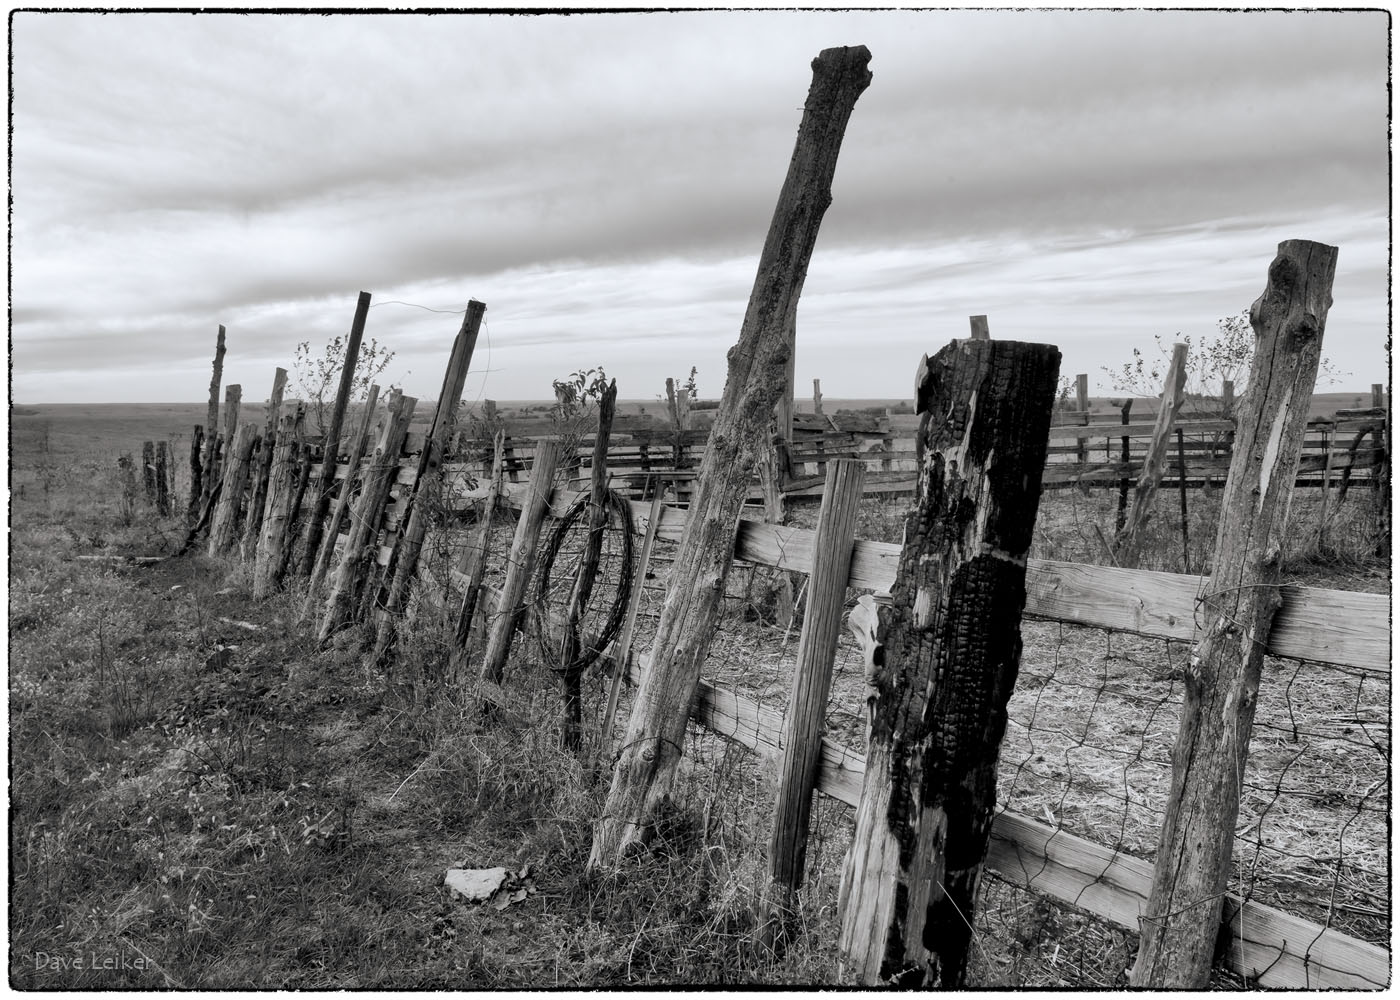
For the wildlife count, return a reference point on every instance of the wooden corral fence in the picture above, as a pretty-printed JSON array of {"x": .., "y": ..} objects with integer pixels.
[
  {"x": 1098, "y": 450},
  {"x": 1338, "y": 627},
  {"x": 384, "y": 487}
]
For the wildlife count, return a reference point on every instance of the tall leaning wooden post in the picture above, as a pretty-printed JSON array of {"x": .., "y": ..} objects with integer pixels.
[
  {"x": 811, "y": 685},
  {"x": 651, "y": 749},
  {"x": 952, "y": 648},
  {"x": 519, "y": 567},
  {"x": 211, "y": 421},
  {"x": 330, "y": 445},
  {"x": 429, "y": 470},
  {"x": 1192, "y": 873}
]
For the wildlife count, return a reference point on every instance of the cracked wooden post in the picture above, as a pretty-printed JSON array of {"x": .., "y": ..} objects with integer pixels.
[
  {"x": 1192, "y": 871},
  {"x": 1128, "y": 543},
  {"x": 211, "y": 421},
  {"x": 223, "y": 528},
  {"x": 519, "y": 567},
  {"x": 472, "y": 563},
  {"x": 222, "y": 446},
  {"x": 428, "y": 477},
  {"x": 278, "y": 507},
  {"x": 361, "y": 548},
  {"x": 196, "y": 473},
  {"x": 331, "y": 532},
  {"x": 951, "y": 648},
  {"x": 651, "y": 749},
  {"x": 330, "y": 444},
  {"x": 262, "y": 465},
  {"x": 811, "y": 686}
]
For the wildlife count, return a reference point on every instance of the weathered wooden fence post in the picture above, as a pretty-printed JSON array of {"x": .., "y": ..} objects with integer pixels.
[
  {"x": 678, "y": 410},
  {"x": 223, "y": 441},
  {"x": 1128, "y": 544},
  {"x": 162, "y": 475},
  {"x": 472, "y": 564},
  {"x": 1081, "y": 396},
  {"x": 1126, "y": 481},
  {"x": 148, "y": 470},
  {"x": 1380, "y": 471},
  {"x": 656, "y": 730},
  {"x": 360, "y": 546},
  {"x": 428, "y": 477},
  {"x": 196, "y": 472},
  {"x": 233, "y": 406},
  {"x": 773, "y": 468},
  {"x": 223, "y": 528},
  {"x": 1192, "y": 873},
  {"x": 622, "y": 651},
  {"x": 519, "y": 566},
  {"x": 330, "y": 445},
  {"x": 211, "y": 420},
  {"x": 278, "y": 507},
  {"x": 817, "y": 396},
  {"x": 951, "y": 650},
  {"x": 1181, "y": 493},
  {"x": 811, "y": 685},
  {"x": 331, "y": 532},
  {"x": 262, "y": 465}
]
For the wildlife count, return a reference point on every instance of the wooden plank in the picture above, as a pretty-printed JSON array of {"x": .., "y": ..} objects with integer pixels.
[{"x": 1327, "y": 626}]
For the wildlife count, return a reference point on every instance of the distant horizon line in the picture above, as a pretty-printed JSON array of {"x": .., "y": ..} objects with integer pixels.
[{"x": 538, "y": 401}]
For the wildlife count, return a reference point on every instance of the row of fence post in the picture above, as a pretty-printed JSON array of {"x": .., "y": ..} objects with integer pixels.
[{"x": 942, "y": 662}]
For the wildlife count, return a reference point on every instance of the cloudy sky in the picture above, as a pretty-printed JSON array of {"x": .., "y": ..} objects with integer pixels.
[{"x": 603, "y": 183}]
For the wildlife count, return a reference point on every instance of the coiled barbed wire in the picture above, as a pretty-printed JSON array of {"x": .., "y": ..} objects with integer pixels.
[{"x": 588, "y": 653}]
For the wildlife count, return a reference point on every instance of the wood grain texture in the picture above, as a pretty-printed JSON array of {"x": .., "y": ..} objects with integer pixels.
[
  {"x": 811, "y": 687},
  {"x": 1237, "y": 612},
  {"x": 949, "y": 652},
  {"x": 521, "y": 562},
  {"x": 211, "y": 419},
  {"x": 278, "y": 508},
  {"x": 262, "y": 465},
  {"x": 223, "y": 528},
  {"x": 651, "y": 750}
]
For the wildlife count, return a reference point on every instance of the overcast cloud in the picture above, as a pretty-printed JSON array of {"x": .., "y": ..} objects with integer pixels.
[{"x": 603, "y": 183}]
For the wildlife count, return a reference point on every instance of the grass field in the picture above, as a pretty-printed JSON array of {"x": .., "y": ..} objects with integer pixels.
[{"x": 201, "y": 798}]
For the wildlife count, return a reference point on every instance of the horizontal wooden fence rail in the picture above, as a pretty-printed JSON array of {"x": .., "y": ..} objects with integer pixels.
[{"x": 1345, "y": 628}]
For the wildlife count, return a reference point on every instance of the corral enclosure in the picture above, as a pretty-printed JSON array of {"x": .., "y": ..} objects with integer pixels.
[
  {"x": 315, "y": 691},
  {"x": 1086, "y": 761}
]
